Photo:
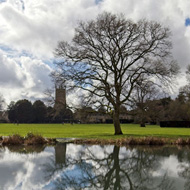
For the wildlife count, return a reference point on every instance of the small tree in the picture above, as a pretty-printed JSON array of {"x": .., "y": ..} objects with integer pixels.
[
  {"x": 21, "y": 111},
  {"x": 144, "y": 92},
  {"x": 184, "y": 91},
  {"x": 2, "y": 102},
  {"x": 12, "y": 112},
  {"x": 40, "y": 111},
  {"x": 108, "y": 55}
]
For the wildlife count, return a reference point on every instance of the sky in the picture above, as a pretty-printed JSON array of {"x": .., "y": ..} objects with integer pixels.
[{"x": 31, "y": 29}]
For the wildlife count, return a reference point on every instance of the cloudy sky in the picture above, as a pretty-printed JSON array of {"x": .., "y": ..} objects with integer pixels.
[{"x": 30, "y": 30}]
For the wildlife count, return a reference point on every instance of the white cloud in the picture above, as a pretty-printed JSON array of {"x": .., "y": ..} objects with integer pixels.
[
  {"x": 23, "y": 77},
  {"x": 171, "y": 13},
  {"x": 42, "y": 23},
  {"x": 36, "y": 26},
  {"x": 10, "y": 73}
]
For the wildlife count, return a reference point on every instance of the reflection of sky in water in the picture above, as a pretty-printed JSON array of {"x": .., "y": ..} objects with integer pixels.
[
  {"x": 170, "y": 166},
  {"x": 40, "y": 171},
  {"x": 22, "y": 171}
]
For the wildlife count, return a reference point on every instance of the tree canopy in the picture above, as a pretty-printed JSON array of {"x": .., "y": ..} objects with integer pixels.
[{"x": 107, "y": 56}]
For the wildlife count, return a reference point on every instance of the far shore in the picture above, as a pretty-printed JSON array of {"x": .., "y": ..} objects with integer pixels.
[
  {"x": 32, "y": 139},
  {"x": 148, "y": 141}
]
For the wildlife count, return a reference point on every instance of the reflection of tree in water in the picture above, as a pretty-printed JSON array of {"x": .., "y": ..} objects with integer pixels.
[
  {"x": 185, "y": 173},
  {"x": 22, "y": 149},
  {"x": 131, "y": 170},
  {"x": 184, "y": 158}
]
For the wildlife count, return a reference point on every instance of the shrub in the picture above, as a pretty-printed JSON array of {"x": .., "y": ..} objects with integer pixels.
[
  {"x": 32, "y": 139},
  {"x": 181, "y": 141},
  {"x": 188, "y": 141},
  {"x": 13, "y": 140},
  {"x": 178, "y": 124}
]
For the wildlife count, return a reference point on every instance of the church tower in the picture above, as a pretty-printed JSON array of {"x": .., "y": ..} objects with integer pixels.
[{"x": 60, "y": 98}]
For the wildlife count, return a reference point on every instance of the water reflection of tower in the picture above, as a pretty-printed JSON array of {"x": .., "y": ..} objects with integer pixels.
[
  {"x": 60, "y": 97},
  {"x": 60, "y": 153}
]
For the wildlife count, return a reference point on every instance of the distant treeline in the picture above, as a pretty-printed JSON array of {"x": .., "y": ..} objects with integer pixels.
[
  {"x": 151, "y": 111},
  {"x": 23, "y": 111}
]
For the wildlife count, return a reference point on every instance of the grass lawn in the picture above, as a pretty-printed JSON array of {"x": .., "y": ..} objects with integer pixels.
[{"x": 104, "y": 131}]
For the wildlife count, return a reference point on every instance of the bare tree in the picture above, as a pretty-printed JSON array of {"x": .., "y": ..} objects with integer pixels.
[
  {"x": 144, "y": 92},
  {"x": 184, "y": 91},
  {"x": 107, "y": 56},
  {"x": 2, "y": 102}
]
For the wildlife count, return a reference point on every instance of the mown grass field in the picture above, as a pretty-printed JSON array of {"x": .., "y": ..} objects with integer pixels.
[{"x": 104, "y": 131}]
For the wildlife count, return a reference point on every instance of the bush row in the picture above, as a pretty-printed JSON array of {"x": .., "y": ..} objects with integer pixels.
[
  {"x": 135, "y": 141},
  {"x": 29, "y": 139},
  {"x": 179, "y": 124}
]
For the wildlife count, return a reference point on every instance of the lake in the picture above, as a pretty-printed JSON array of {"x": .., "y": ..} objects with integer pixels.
[{"x": 69, "y": 166}]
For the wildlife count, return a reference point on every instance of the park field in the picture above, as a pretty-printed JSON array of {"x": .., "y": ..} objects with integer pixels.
[{"x": 100, "y": 131}]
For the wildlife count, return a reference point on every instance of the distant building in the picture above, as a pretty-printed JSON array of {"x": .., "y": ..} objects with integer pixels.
[
  {"x": 60, "y": 98},
  {"x": 84, "y": 115},
  {"x": 88, "y": 115}
]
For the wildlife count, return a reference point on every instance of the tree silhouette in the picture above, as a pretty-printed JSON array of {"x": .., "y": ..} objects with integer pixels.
[{"x": 108, "y": 55}]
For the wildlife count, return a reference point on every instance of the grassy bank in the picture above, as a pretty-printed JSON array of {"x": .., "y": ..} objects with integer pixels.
[{"x": 100, "y": 131}]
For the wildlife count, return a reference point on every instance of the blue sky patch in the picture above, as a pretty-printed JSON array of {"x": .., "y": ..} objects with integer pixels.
[
  {"x": 11, "y": 52},
  {"x": 187, "y": 22},
  {"x": 98, "y": 1}
]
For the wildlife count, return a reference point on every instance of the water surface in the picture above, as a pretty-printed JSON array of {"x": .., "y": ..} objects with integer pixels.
[{"x": 69, "y": 166}]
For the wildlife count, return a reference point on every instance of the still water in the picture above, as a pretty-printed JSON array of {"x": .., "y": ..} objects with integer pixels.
[{"x": 69, "y": 166}]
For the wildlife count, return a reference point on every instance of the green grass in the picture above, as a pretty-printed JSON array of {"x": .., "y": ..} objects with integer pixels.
[{"x": 103, "y": 131}]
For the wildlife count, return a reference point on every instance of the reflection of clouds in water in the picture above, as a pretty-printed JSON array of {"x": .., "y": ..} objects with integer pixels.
[
  {"x": 22, "y": 171},
  {"x": 170, "y": 166},
  {"x": 165, "y": 175},
  {"x": 30, "y": 171}
]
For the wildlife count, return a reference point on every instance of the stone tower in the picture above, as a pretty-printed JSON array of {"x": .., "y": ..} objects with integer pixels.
[{"x": 60, "y": 98}]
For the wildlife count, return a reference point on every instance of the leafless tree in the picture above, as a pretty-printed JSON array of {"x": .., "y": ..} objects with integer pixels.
[
  {"x": 107, "y": 56},
  {"x": 184, "y": 91},
  {"x": 2, "y": 102},
  {"x": 188, "y": 73},
  {"x": 144, "y": 92}
]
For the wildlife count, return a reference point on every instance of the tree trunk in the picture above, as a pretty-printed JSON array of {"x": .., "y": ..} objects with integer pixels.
[
  {"x": 114, "y": 170},
  {"x": 117, "y": 184},
  {"x": 142, "y": 124},
  {"x": 116, "y": 122}
]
